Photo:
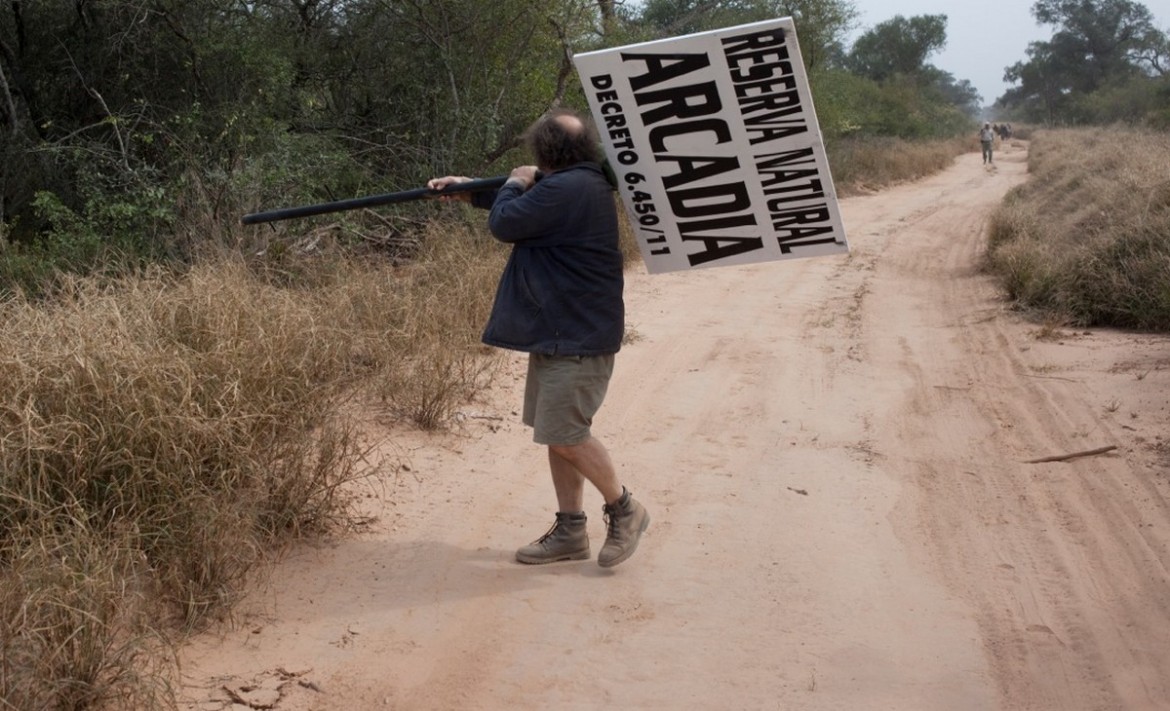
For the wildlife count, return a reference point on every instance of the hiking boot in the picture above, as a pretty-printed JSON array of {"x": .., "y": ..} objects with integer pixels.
[
  {"x": 566, "y": 540},
  {"x": 625, "y": 521}
]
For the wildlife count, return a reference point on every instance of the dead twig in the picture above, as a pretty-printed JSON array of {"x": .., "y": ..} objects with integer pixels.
[
  {"x": 1074, "y": 455},
  {"x": 1051, "y": 377}
]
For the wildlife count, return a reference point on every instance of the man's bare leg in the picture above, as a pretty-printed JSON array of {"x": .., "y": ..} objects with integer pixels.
[
  {"x": 572, "y": 464},
  {"x": 627, "y": 518},
  {"x": 567, "y": 539}
]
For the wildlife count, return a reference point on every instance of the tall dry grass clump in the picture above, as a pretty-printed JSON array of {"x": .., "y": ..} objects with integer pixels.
[
  {"x": 160, "y": 433},
  {"x": 436, "y": 359},
  {"x": 1086, "y": 240},
  {"x": 74, "y": 632},
  {"x": 863, "y": 164}
]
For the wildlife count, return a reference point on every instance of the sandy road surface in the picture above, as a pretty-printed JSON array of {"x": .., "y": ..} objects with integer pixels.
[{"x": 832, "y": 451}]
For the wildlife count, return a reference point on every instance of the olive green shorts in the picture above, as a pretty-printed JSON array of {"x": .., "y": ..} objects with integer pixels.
[{"x": 561, "y": 395}]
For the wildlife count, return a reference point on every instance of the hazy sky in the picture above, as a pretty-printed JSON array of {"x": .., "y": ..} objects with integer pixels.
[{"x": 983, "y": 36}]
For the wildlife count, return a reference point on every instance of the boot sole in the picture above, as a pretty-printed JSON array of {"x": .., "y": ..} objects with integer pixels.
[
  {"x": 536, "y": 560},
  {"x": 629, "y": 551}
]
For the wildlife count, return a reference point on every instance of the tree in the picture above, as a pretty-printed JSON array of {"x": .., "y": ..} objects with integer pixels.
[
  {"x": 1097, "y": 45},
  {"x": 910, "y": 97},
  {"x": 821, "y": 25},
  {"x": 1041, "y": 92},
  {"x": 958, "y": 93},
  {"x": 821, "y": 28},
  {"x": 1100, "y": 40},
  {"x": 898, "y": 46},
  {"x": 105, "y": 103}
]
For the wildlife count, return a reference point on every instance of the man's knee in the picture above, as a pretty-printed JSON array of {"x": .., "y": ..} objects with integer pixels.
[{"x": 567, "y": 451}]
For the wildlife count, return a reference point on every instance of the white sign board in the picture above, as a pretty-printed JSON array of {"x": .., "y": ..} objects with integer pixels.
[{"x": 716, "y": 147}]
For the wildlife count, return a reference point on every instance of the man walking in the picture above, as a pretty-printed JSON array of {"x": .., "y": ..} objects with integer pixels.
[
  {"x": 986, "y": 138},
  {"x": 560, "y": 300}
]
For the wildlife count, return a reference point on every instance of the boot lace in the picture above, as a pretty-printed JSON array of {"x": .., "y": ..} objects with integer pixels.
[
  {"x": 557, "y": 524},
  {"x": 612, "y": 527},
  {"x": 549, "y": 533}
]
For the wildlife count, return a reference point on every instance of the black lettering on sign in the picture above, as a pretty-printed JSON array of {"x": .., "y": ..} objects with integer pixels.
[
  {"x": 719, "y": 246},
  {"x": 680, "y": 105},
  {"x": 709, "y": 200},
  {"x": 794, "y": 226},
  {"x": 799, "y": 192},
  {"x": 681, "y": 102},
  {"x": 765, "y": 85},
  {"x": 786, "y": 181},
  {"x": 664, "y": 67},
  {"x": 799, "y": 156},
  {"x": 783, "y": 183},
  {"x": 659, "y": 134},
  {"x": 758, "y": 41},
  {"x": 615, "y": 120},
  {"x": 787, "y": 248},
  {"x": 692, "y": 168}
]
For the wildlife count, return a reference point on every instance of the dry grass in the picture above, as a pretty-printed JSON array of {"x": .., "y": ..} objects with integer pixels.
[
  {"x": 1087, "y": 240},
  {"x": 862, "y": 165},
  {"x": 74, "y": 629},
  {"x": 437, "y": 361},
  {"x": 160, "y": 434}
]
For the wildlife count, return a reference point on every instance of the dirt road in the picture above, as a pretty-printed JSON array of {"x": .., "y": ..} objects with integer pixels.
[{"x": 833, "y": 453}]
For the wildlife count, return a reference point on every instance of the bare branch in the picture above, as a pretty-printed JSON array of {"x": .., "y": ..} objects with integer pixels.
[
  {"x": 9, "y": 102},
  {"x": 1073, "y": 455}
]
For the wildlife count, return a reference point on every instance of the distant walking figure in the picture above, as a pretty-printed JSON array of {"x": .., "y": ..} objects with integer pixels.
[{"x": 986, "y": 137}]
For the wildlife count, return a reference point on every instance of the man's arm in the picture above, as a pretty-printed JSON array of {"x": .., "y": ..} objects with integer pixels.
[{"x": 525, "y": 209}]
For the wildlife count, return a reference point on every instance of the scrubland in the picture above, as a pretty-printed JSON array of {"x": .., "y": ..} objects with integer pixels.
[{"x": 163, "y": 434}]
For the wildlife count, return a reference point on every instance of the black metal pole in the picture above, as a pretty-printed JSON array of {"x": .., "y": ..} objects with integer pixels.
[{"x": 289, "y": 213}]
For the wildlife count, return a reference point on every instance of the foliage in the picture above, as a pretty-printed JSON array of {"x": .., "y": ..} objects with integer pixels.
[
  {"x": 960, "y": 94},
  {"x": 898, "y": 46},
  {"x": 1110, "y": 37},
  {"x": 145, "y": 129},
  {"x": 138, "y": 116},
  {"x": 900, "y": 107},
  {"x": 909, "y": 97},
  {"x": 821, "y": 25},
  {"x": 1101, "y": 50}
]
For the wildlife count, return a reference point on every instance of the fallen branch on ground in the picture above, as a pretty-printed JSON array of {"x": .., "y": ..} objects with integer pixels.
[{"x": 1074, "y": 455}]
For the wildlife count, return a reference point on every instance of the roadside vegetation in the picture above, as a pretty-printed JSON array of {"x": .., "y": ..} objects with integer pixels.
[
  {"x": 179, "y": 392},
  {"x": 1105, "y": 63},
  {"x": 1086, "y": 241},
  {"x": 162, "y": 433},
  {"x": 862, "y": 165}
]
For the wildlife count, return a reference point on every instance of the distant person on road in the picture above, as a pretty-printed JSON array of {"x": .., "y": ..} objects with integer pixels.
[
  {"x": 986, "y": 138},
  {"x": 560, "y": 300}
]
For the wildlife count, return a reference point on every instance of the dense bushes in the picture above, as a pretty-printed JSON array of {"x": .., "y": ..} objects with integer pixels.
[{"x": 134, "y": 133}]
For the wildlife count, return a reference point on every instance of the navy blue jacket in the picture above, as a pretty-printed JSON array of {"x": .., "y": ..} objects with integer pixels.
[{"x": 561, "y": 290}]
